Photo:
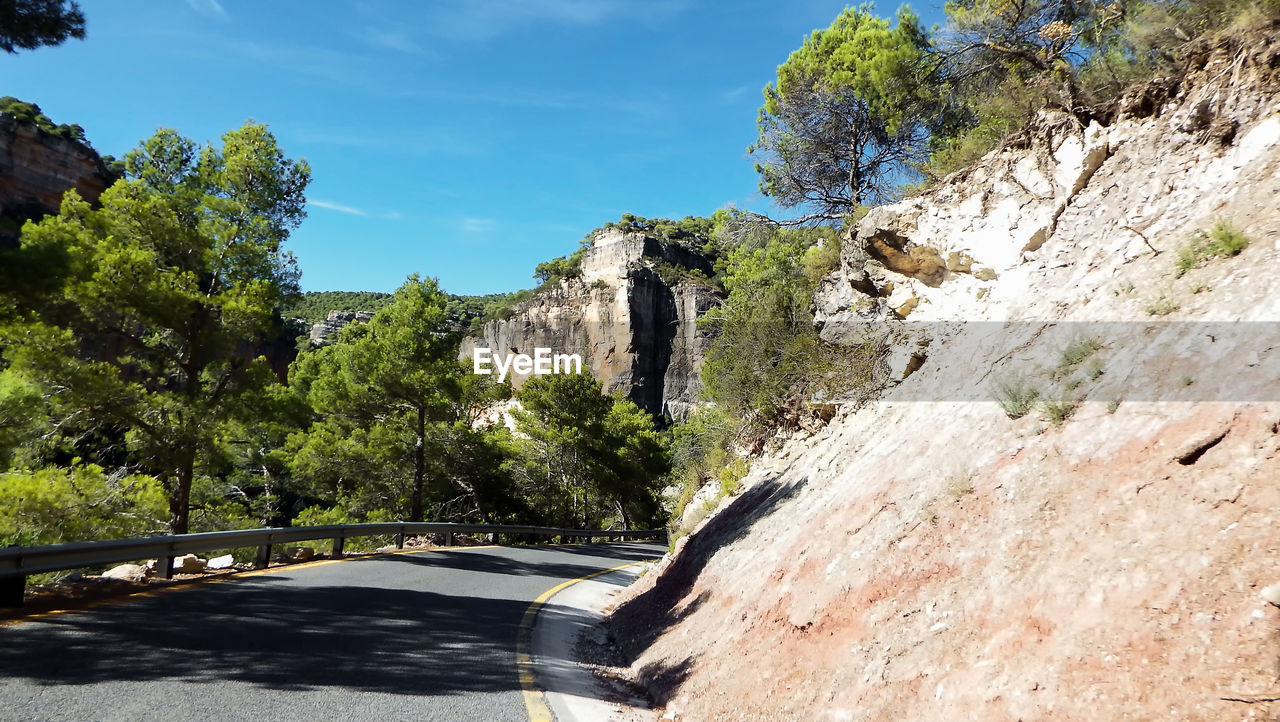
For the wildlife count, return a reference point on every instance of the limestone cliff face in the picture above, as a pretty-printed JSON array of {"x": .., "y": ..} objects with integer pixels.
[
  {"x": 635, "y": 332},
  {"x": 326, "y": 331},
  {"x": 36, "y": 168},
  {"x": 1100, "y": 553}
]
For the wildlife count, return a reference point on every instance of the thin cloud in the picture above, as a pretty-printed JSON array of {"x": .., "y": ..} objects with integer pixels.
[
  {"x": 211, "y": 8},
  {"x": 488, "y": 19},
  {"x": 478, "y": 225},
  {"x": 337, "y": 207},
  {"x": 393, "y": 40}
]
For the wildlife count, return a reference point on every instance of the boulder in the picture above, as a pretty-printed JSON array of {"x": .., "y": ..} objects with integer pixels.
[
  {"x": 188, "y": 564},
  {"x": 226, "y": 561},
  {"x": 127, "y": 572}
]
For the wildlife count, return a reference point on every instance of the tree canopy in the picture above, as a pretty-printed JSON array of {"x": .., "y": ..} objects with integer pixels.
[
  {"x": 167, "y": 287},
  {"x": 29, "y": 24},
  {"x": 848, "y": 115},
  {"x": 387, "y": 385},
  {"x": 587, "y": 458}
]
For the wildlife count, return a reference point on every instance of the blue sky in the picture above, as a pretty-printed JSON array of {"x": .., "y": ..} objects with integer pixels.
[{"x": 462, "y": 139}]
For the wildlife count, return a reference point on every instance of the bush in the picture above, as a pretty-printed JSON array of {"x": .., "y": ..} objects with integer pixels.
[
  {"x": 1016, "y": 396},
  {"x": 1076, "y": 353},
  {"x": 1057, "y": 412},
  {"x": 341, "y": 513},
  {"x": 1224, "y": 240},
  {"x": 82, "y": 503}
]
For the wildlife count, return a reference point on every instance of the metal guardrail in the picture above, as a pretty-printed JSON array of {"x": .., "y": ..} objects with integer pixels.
[{"x": 17, "y": 562}]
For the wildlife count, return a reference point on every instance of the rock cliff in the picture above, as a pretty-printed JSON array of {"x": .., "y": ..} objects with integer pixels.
[
  {"x": 36, "y": 168},
  {"x": 325, "y": 331},
  {"x": 636, "y": 332},
  {"x": 1064, "y": 506}
]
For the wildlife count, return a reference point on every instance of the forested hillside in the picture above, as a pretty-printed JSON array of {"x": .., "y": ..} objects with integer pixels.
[{"x": 135, "y": 395}]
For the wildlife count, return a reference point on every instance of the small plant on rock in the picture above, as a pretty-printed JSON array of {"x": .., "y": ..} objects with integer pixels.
[
  {"x": 1016, "y": 396},
  {"x": 1162, "y": 306},
  {"x": 1076, "y": 353},
  {"x": 1224, "y": 240},
  {"x": 1057, "y": 412}
]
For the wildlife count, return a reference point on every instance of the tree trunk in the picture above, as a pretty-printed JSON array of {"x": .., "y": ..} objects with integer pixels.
[
  {"x": 622, "y": 509},
  {"x": 419, "y": 464},
  {"x": 180, "y": 497}
]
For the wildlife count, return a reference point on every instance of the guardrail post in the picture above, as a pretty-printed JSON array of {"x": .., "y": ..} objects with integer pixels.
[
  {"x": 448, "y": 538},
  {"x": 263, "y": 560},
  {"x": 339, "y": 545},
  {"x": 164, "y": 563},
  {"x": 11, "y": 590},
  {"x": 400, "y": 540},
  {"x": 164, "y": 566}
]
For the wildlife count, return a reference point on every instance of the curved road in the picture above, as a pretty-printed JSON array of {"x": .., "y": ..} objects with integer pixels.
[{"x": 422, "y": 635}]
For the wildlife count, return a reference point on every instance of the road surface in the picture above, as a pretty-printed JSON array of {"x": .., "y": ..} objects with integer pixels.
[{"x": 424, "y": 635}]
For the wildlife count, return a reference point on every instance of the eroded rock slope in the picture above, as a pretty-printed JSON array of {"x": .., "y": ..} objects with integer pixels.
[{"x": 926, "y": 556}]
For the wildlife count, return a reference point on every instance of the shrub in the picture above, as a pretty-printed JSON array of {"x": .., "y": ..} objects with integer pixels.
[
  {"x": 1162, "y": 306},
  {"x": 1016, "y": 396},
  {"x": 1057, "y": 412},
  {"x": 83, "y": 503},
  {"x": 1224, "y": 240},
  {"x": 1076, "y": 353}
]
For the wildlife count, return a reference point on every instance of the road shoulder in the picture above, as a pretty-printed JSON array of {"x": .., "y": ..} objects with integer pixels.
[{"x": 566, "y": 621}]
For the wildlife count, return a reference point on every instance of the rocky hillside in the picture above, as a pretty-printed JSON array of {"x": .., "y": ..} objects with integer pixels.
[
  {"x": 1064, "y": 506},
  {"x": 36, "y": 168},
  {"x": 636, "y": 331}
]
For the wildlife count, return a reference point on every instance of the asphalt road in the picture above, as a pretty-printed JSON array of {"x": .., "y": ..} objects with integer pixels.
[{"x": 429, "y": 635}]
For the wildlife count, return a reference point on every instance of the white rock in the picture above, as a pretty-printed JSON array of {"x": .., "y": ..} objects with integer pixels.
[
  {"x": 128, "y": 572},
  {"x": 223, "y": 562},
  {"x": 188, "y": 564}
]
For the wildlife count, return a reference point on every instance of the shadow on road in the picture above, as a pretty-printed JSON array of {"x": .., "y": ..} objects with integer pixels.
[{"x": 528, "y": 564}]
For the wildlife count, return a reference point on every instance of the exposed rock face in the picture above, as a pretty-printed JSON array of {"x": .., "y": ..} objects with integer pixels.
[
  {"x": 1103, "y": 556},
  {"x": 36, "y": 168},
  {"x": 634, "y": 331},
  {"x": 324, "y": 331}
]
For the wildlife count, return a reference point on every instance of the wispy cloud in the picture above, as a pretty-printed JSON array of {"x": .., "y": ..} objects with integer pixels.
[
  {"x": 211, "y": 8},
  {"x": 349, "y": 210},
  {"x": 396, "y": 40},
  {"x": 422, "y": 141},
  {"x": 478, "y": 225},
  {"x": 487, "y": 19},
  {"x": 736, "y": 94}
]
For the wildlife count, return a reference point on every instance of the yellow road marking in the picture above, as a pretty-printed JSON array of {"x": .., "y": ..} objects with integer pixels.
[
  {"x": 189, "y": 583},
  {"x": 535, "y": 702}
]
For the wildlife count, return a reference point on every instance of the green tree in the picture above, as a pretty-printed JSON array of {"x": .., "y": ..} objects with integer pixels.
[
  {"x": 29, "y": 24},
  {"x": 849, "y": 115},
  {"x": 384, "y": 395},
  {"x": 169, "y": 284},
  {"x": 587, "y": 458}
]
